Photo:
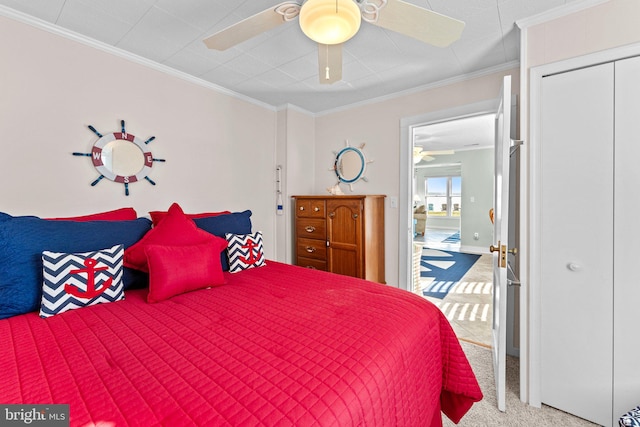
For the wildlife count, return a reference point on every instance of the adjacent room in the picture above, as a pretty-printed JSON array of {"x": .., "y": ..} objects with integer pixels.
[{"x": 452, "y": 196}]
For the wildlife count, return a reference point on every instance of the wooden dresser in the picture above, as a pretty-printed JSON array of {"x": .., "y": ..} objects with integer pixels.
[{"x": 341, "y": 234}]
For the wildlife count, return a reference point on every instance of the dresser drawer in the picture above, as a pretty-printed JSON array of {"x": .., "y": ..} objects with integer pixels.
[
  {"x": 315, "y": 264},
  {"x": 311, "y": 228},
  {"x": 310, "y": 248},
  {"x": 310, "y": 208}
]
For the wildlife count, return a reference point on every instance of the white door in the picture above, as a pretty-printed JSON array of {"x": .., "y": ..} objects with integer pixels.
[
  {"x": 576, "y": 211},
  {"x": 626, "y": 375},
  {"x": 501, "y": 236}
]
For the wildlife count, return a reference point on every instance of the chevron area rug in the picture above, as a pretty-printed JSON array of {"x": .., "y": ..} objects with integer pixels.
[{"x": 446, "y": 268}]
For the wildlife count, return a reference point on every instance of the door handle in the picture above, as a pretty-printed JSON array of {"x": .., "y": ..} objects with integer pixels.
[
  {"x": 502, "y": 249},
  {"x": 574, "y": 267}
]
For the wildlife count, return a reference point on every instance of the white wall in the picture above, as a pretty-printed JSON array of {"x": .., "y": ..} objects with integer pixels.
[
  {"x": 220, "y": 150},
  {"x": 295, "y": 155},
  {"x": 604, "y": 26}
]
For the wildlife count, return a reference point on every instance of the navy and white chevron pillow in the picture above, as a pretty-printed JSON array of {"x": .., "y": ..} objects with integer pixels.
[
  {"x": 244, "y": 251},
  {"x": 82, "y": 279},
  {"x": 631, "y": 418}
]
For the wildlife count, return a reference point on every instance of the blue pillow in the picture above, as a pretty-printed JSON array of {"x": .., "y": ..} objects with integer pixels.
[
  {"x": 24, "y": 238},
  {"x": 220, "y": 225}
]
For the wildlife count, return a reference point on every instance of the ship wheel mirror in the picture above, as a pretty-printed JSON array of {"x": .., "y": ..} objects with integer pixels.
[
  {"x": 121, "y": 157},
  {"x": 350, "y": 165}
]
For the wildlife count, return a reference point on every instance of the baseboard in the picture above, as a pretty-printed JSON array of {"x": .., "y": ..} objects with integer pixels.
[
  {"x": 474, "y": 249},
  {"x": 453, "y": 230},
  {"x": 479, "y": 344}
]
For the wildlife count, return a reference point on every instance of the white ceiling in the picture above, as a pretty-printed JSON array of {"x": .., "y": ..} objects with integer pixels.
[
  {"x": 469, "y": 133},
  {"x": 280, "y": 67}
]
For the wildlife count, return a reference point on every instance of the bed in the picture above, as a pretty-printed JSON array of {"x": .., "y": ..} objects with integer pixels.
[{"x": 267, "y": 344}]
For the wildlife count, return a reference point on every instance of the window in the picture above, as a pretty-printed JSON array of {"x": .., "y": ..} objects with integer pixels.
[{"x": 444, "y": 196}]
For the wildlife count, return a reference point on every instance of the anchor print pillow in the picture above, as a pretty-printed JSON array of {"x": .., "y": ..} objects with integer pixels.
[
  {"x": 245, "y": 251},
  {"x": 76, "y": 280}
]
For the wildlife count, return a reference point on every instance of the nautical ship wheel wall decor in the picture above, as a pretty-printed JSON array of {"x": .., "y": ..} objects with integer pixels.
[
  {"x": 121, "y": 157},
  {"x": 350, "y": 165}
]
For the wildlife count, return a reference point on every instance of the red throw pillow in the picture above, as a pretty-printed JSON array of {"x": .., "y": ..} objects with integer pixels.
[
  {"x": 175, "y": 230},
  {"x": 157, "y": 216},
  {"x": 123, "y": 214},
  {"x": 174, "y": 270}
]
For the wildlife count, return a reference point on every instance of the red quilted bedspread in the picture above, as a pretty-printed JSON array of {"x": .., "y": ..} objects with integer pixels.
[{"x": 275, "y": 346}]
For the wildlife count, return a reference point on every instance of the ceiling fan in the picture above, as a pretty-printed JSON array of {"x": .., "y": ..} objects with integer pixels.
[
  {"x": 427, "y": 156},
  {"x": 330, "y": 23}
]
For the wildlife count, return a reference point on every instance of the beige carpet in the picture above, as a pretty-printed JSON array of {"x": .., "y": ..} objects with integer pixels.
[{"x": 486, "y": 413}]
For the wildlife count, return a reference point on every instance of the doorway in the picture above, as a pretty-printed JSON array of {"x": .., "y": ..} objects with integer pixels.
[
  {"x": 452, "y": 192},
  {"x": 506, "y": 148},
  {"x": 406, "y": 202}
]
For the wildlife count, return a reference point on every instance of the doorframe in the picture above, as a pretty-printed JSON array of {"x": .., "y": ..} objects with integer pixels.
[
  {"x": 535, "y": 174},
  {"x": 405, "y": 229}
]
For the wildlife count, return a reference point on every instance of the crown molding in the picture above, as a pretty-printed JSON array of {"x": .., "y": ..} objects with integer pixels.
[
  {"x": 558, "y": 12},
  {"x": 96, "y": 44}
]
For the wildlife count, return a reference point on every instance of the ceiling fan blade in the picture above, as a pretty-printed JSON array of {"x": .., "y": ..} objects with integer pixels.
[
  {"x": 421, "y": 24},
  {"x": 329, "y": 63},
  {"x": 253, "y": 25},
  {"x": 440, "y": 152}
]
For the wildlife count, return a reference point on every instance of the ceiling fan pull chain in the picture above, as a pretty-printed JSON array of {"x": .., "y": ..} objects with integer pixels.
[
  {"x": 371, "y": 11},
  {"x": 326, "y": 70}
]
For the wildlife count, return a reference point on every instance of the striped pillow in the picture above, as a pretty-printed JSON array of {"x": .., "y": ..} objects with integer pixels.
[
  {"x": 79, "y": 280},
  {"x": 245, "y": 251}
]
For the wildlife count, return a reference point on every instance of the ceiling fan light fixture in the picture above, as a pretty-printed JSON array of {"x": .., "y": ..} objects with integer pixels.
[{"x": 330, "y": 21}]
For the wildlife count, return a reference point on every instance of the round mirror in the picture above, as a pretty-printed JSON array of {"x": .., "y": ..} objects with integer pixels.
[
  {"x": 350, "y": 164},
  {"x": 122, "y": 157}
]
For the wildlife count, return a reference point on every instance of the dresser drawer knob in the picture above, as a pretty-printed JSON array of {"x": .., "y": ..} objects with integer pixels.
[
  {"x": 310, "y": 229},
  {"x": 311, "y": 267},
  {"x": 332, "y": 214},
  {"x": 301, "y": 208},
  {"x": 316, "y": 209},
  {"x": 310, "y": 249},
  {"x": 355, "y": 216}
]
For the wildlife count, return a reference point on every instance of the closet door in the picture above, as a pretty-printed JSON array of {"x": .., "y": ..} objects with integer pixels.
[
  {"x": 576, "y": 221},
  {"x": 627, "y": 237}
]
